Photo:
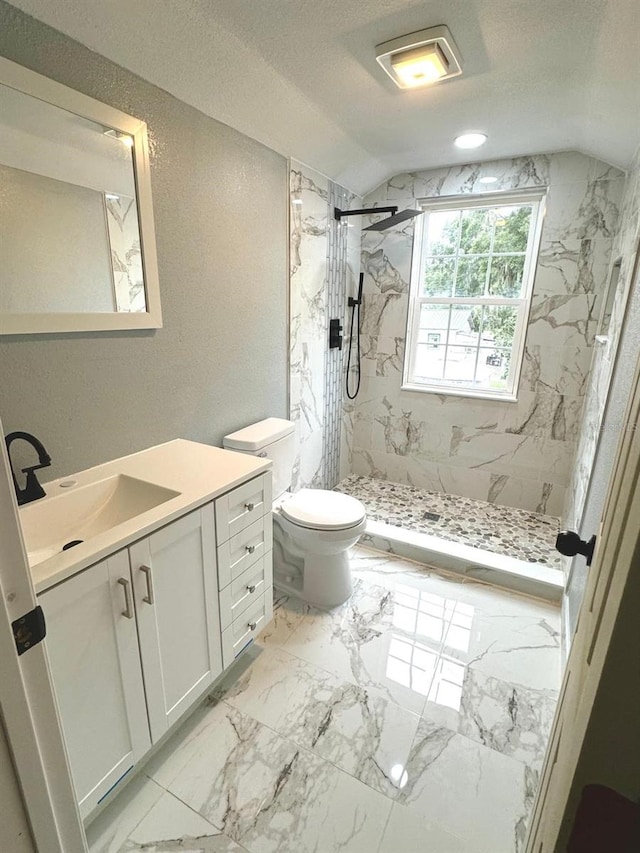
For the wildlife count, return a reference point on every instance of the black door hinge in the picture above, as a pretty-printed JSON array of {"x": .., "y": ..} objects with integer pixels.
[{"x": 29, "y": 630}]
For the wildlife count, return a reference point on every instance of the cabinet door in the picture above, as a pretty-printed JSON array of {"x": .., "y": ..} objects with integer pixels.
[
  {"x": 176, "y": 596},
  {"x": 92, "y": 645}
]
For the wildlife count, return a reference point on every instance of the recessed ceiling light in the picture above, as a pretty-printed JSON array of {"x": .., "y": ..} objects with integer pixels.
[
  {"x": 296, "y": 201},
  {"x": 470, "y": 140},
  {"x": 489, "y": 179},
  {"x": 112, "y": 197},
  {"x": 421, "y": 58},
  {"x": 421, "y": 65}
]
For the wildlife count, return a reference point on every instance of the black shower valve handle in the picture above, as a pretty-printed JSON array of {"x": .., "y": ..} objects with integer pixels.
[{"x": 335, "y": 334}]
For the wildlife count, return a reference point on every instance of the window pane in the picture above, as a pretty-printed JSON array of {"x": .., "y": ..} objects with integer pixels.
[
  {"x": 471, "y": 277},
  {"x": 512, "y": 228},
  {"x": 460, "y": 365},
  {"x": 465, "y": 325},
  {"x": 493, "y": 368},
  {"x": 499, "y": 325},
  {"x": 506, "y": 275},
  {"x": 443, "y": 227},
  {"x": 429, "y": 362},
  {"x": 434, "y": 317},
  {"x": 475, "y": 234},
  {"x": 438, "y": 276}
]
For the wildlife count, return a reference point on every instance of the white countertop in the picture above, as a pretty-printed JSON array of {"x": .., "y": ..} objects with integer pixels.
[{"x": 198, "y": 472}]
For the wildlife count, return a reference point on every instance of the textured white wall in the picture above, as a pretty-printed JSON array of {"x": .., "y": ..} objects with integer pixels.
[
  {"x": 220, "y": 209},
  {"x": 513, "y": 454}
]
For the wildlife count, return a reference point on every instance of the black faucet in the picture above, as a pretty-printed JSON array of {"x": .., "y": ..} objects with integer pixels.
[{"x": 32, "y": 489}]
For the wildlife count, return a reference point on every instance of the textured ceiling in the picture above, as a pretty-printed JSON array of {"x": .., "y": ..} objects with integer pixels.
[{"x": 301, "y": 76}]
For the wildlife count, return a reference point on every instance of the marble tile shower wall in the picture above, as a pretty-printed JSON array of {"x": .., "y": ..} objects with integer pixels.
[
  {"x": 514, "y": 454},
  {"x": 625, "y": 247},
  {"x": 319, "y": 278}
]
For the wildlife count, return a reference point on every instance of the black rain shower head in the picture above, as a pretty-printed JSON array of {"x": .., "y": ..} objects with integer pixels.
[
  {"x": 383, "y": 224},
  {"x": 395, "y": 219}
]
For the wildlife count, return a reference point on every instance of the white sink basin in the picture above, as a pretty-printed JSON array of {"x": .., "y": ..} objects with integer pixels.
[{"x": 86, "y": 511}]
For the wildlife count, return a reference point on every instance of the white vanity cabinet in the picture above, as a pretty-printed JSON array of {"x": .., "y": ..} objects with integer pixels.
[
  {"x": 136, "y": 639},
  {"x": 245, "y": 567},
  {"x": 92, "y": 643},
  {"x": 175, "y": 587}
]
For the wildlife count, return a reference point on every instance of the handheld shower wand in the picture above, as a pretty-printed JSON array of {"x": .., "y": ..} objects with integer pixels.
[{"x": 353, "y": 304}]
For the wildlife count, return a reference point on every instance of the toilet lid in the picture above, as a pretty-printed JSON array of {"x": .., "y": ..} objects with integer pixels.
[{"x": 318, "y": 509}]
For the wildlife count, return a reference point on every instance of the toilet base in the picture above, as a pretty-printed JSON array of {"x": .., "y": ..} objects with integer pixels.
[
  {"x": 326, "y": 579},
  {"x": 322, "y": 579}
]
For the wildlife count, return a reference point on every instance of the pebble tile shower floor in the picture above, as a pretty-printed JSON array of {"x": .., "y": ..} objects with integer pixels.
[
  {"x": 412, "y": 718},
  {"x": 513, "y": 532}
]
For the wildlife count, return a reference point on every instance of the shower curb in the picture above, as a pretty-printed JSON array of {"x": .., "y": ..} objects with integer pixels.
[{"x": 508, "y": 572}]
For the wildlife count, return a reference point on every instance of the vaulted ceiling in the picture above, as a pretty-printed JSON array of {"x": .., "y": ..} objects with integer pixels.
[{"x": 301, "y": 76}]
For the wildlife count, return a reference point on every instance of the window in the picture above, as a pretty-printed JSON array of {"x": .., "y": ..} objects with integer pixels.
[{"x": 473, "y": 270}]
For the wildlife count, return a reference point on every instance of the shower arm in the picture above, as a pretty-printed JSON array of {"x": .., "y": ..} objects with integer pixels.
[{"x": 338, "y": 214}]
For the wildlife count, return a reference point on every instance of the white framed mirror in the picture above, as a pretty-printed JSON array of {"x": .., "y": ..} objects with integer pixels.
[{"x": 77, "y": 241}]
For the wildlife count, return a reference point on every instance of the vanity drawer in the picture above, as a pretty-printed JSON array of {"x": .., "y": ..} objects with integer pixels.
[
  {"x": 241, "y": 507},
  {"x": 246, "y": 627},
  {"x": 245, "y": 548},
  {"x": 245, "y": 590}
]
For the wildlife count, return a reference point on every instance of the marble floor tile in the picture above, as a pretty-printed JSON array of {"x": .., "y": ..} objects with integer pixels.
[
  {"x": 386, "y": 569},
  {"x": 268, "y": 794},
  {"x": 409, "y": 832},
  {"x": 384, "y": 638},
  {"x": 172, "y": 756},
  {"x": 412, "y": 719},
  {"x": 172, "y": 826},
  {"x": 288, "y": 612},
  {"x": 112, "y": 827},
  {"x": 356, "y": 729},
  {"x": 522, "y": 649},
  {"x": 508, "y": 718},
  {"x": 468, "y": 790},
  {"x": 501, "y": 604}
]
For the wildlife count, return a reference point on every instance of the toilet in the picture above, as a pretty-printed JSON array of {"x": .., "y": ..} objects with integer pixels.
[{"x": 313, "y": 529}]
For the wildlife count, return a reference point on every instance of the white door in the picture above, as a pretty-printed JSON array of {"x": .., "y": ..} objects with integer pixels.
[
  {"x": 28, "y": 707},
  {"x": 176, "y": 599},
  {"x": 95, "y": 663},
  {"x": 595, "y": 736}
]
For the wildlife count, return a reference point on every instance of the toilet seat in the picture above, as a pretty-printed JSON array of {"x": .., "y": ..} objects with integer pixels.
[{"x": 319, "y": 509}]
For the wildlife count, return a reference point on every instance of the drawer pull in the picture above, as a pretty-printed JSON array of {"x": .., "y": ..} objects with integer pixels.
[
  {"x": 249, "y": 507},
  {"x": 252, "y": 626},
  {"x": 251, "y": 548},
  {"x": 128, "y": 611},
  {"x": 251, "y": 588},
  {"x": 149, "y": 596}
]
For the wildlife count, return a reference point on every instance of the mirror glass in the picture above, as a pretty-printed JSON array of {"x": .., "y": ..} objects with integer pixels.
[{"x": 69, "y": 231}]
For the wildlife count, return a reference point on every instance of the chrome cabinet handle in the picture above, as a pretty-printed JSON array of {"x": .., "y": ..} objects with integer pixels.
[
  {"x": 128, "y": 610},
  {"x": 251, "y": 588},
  {"x": 249, "y": 507},
  {"x": 251, "y": 548},
  {"x": 252, "y": 626},
  {"x": 149, "y": 596}
]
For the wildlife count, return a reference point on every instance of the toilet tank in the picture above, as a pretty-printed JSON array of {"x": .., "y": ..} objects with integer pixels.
[{"x": 272, "y": 439}]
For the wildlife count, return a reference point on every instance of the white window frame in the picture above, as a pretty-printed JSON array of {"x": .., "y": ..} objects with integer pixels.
[{"x": 523, "y": 303}]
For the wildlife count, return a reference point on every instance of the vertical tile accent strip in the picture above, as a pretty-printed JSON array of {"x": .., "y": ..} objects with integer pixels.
[
  {"x": 319, "y": 278},
  {"x": 334, "y": 358}
]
